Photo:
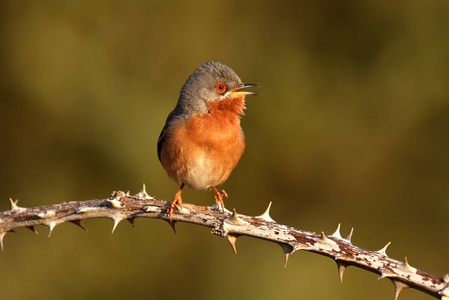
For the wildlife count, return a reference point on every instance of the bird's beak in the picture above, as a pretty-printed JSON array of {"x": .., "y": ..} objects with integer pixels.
[{"x": 236, "y": 91}]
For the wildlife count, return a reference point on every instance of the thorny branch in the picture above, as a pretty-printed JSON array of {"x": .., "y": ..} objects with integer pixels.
[{"x": 121, "y": 206}]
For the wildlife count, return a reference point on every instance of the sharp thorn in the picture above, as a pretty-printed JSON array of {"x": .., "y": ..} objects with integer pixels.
[
  {"x": 14, "y": 207},
  {"x": 266, "y": 215},
  {"x": 341, "y": 268},
  {"x": 405, "y": 266},
  {"x": 131, "y": 221},
  {"x": 51, "y": 226},
  {"x": 324, "y": 237},
  {"x": 383, "y": 251},
  {"x": 232, "y": 239},
  {"x": 32, "y": 229},
  {"x": 348, "y": 238},
  {"x": 337, "y": 234},
  {"x": 172, "y": 224},
  {"x": 288, "y": 249},
  {"x": 143, "y": 193},
  {"x": 115, "y": 203},
  {"x": 286, "y": 256},
  {"x": 78, "y": 223},
  {"x": 298, "y": 246},
  {"x": 2, "y": 235},
  {"x": 116, "y": 221},
  {"x": 143, "y": 190},
  {"x": 235, "y": 220},
  {"x": 386, "y": 274},
  {"x": 398, "y": 287},
  {"x": 46, "y": 214}
]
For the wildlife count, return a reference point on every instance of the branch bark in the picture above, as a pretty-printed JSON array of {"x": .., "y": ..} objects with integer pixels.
[{"x": 121, "y": 206}]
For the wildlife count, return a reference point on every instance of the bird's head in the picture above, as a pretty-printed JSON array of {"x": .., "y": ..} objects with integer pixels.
[{"x": 210, "y": 83}]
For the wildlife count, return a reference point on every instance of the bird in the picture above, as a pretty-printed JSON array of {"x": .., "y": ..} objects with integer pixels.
[{"x": 202, "y": 139}]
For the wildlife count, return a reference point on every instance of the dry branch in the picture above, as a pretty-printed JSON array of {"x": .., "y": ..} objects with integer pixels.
[{"x": 121, "y": 206}]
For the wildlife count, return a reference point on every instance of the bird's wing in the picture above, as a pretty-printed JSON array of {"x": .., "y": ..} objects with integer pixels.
[{"x": 161, "y": 140}]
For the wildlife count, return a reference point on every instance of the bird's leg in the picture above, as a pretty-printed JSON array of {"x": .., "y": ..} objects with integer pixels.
[
  {"x": 177, "y": 200},
  {"x": 219, "y": 198}
]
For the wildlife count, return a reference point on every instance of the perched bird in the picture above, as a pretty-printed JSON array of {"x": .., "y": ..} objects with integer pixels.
[{"x": 202, "y": 140}]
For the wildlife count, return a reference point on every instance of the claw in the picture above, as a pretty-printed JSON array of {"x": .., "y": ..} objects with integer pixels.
[
  {"x": 219, "y": 198},
  {"x": 177, "y": 202},
  {"x": 223, "y": 193}
]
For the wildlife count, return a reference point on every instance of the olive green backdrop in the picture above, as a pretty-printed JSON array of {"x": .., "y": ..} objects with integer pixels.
[{"x": 351, "y": 126}]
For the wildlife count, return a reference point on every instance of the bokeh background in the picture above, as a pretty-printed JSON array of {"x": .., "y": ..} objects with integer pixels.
[{"x": 351, "y": 126}]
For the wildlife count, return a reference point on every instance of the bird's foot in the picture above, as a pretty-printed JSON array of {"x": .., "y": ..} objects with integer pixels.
[
  {"x": 177, "y": 202},
  {"x": 219, "y": 198}
]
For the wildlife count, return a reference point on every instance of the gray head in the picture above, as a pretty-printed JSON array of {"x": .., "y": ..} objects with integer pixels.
[{"x": 212, "y": 81}]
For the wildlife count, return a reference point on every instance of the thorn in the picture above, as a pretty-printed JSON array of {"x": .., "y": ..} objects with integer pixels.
[
  {"x": 386, "y": 274},
  {"x": 46, "y": 214},
  {"x": 127, "y": 194},
  {"x": 143, "y": 190},
  {"x": 143, "y": 193},
  {"x": 32, "y": 229},
  {"x": 337, "y": 234},
  {"x": 51, "y": 226},
  {"x": 348, "y": 238},
  {"x": 235, "y": 220},
  {"x": 78, "y": 223},
  {"x": 85, "y": 209},
  {"x": 341, "y": 268},
  {"x": 116, "y": 221},
  {"x": 232, "y": 238},
  {"x": 325, "y": 239},
  {"x": 383, "y": 251},
  {"x": 266, "y": 215},
  {"x": 2, "y": 235},
  {"x": 288, "y": 249},
  {"x": 172, "y": 224},
  {"x": 14, "y": 207},
  {"x": 323, "y": 236},
  {"x": 398, "y": 287},
  {"x": 405, "y": 266},
  {"x": 286, "y": 256},
  {"x": 299, "y": 247},
  {"x": 116, "y": 203},
  {"x": 131, "y": 221}
]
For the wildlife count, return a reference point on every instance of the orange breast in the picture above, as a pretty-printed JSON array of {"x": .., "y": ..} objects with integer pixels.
[{"x": 203, "y": 151}]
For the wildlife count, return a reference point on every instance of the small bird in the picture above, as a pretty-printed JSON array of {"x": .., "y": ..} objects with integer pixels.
[{"x": 202, "y": 140}]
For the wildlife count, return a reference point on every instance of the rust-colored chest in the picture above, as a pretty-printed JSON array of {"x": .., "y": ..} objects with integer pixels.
[{"x": 203, "y": 150}]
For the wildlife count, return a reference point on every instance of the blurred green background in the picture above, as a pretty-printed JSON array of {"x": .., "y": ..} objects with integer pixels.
[{"x": 351, "y": 126}]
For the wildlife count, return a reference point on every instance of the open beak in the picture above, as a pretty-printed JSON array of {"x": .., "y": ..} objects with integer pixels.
[{"x": 243, "y": 93}]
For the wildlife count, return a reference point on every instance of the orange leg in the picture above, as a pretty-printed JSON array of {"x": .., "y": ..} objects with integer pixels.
[
  {"x": 177, "y": 200},
  {"x": 219, "y": 198}
]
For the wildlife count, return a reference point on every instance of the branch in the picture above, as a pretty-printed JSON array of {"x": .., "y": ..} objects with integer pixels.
[{"x": 121, "y": 206}]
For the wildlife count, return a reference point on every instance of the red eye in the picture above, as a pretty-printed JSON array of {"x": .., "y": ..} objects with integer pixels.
[{"x": 220, "y": 87}]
